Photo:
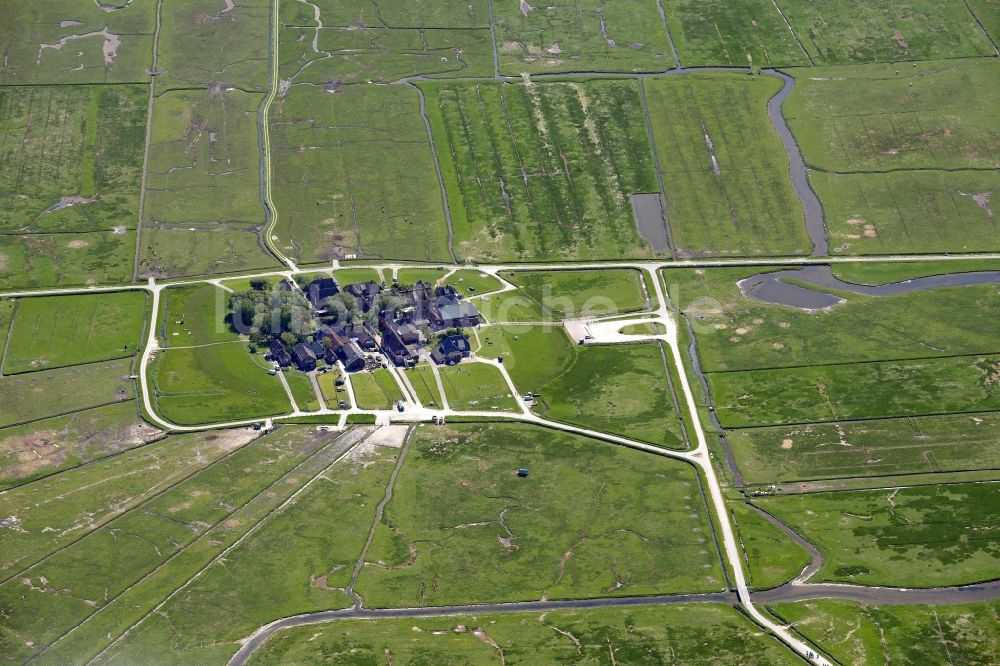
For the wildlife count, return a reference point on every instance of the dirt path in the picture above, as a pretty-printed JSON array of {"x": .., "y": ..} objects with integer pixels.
[
  {"x": 317, "y": 390},
  {"x": 358, "y": 601},
  {"x": 288, "y": 392},
  {"x": 145, "y": 150}
]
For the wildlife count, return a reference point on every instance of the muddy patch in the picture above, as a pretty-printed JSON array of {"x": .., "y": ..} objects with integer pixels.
[
  {"x": 109, "y": 49},
  {"x": 69, "y": 24},
  {"x": 112, "y": 7},
  {"x": 901, "y": 42},
  {"x": 67, "y": 202},
  {"x": 524, "y": 7},
  {"x": 77, "y": 244},
  {"x": 649, "y": 220}
]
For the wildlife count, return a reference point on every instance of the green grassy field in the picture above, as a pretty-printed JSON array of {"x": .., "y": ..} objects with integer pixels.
[
  {"x": 361, "y": 43},
  {"x": 214, "y": 383},
  {"x": 589, "y": 520},
  {"x": 861, "y": 634},
  {"x": 194, "y": 315},
  {"x": 588, "y": 35},
  {"x": 338, "y": 55},
  {"x": 844, "y": 31},
  {"x": 46, "y": 393},
  {"x": 331, "y": 393},
  {"x": 867, "y": 448},
  {"x": 231, "y": 44},
  {"x": 202, "y": 211},
  {"x": 83, "y": 42},
  {"x": 106, "y": 562},
  {"x": 69, "y": 172},
  {"x": 651, "y": 328},
  {"x": 904, "y": 537},
  {"x": 743, "y": 203},
  {"x": 737, "y": 333},
  {"x": 37, "y": 260},
  {"x": 542, "y": 170},
  {"x": 6, "y": 318},
  {"x": 410, "y": 276},
  {"x": 476, "y": 387},
  {"x": 45, "y": 447},
  {"x": 332, "y": 200},
  {"x": 667, "y": 634},
  {"x": 621, "y": 389},
  {"x": 885, "y": 273},
  {"x": 533, "y": 355},
  {"x": 856, "y": 391},
  {"x": 422, "y": 378},
  {"x": 932, "y": 115},
  {"x": 769, "y": 555},
  {"x": 570, "y": 294},
  {"x": 305, "y": 395},
  {"x": 59, "y": 509},
  {"x": 54, "y": 331},
  {"x": 305, "y": 551},
  {"x": 375, "y": 390},
  {"x": 909, "y": 211},
  {"x": 747, "y": 33},
  {"x": 473, "y": 283}
]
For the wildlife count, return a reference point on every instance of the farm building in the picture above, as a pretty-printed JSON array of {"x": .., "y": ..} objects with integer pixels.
[
  {"x": 304, "y": 357},
  {"x": 453, "y": 348}
]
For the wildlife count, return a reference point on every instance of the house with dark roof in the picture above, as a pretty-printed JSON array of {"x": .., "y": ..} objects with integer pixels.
[
  {"x": 351, "y": 356},
  {"x": 365, "y": 293},
  {"x": 321, "y": 289},
  {"x": 360, "y": 334},
  {"x": 395, "y": 349},
  {"x": 453, "y": 348},
  {"x": 408, "y": 332},
  {"x": 278, "y": 353},
  {"x": 304, "y": 357},
  {"x": 285, "y": 285},
  {"x": 450, "y": 312}
]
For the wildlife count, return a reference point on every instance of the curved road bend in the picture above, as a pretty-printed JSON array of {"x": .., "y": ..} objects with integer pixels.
[{"x": 250, "y": 644}]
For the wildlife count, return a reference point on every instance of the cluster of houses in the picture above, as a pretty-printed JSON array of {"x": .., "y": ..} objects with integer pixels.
[{"x": 403, "y": 322}]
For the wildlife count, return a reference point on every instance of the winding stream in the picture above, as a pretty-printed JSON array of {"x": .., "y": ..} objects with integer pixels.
[{"x": 773, "y": 288}]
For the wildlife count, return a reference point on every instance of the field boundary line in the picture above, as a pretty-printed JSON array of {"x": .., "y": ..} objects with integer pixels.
[
  {"x": 377, "y": 518},
  {"x": 145, "y": 152},
  {"x": 253, "y": 528},
  {"x": 843, "y": 363},
  {"x": 188, "y": 546},
  {"x": 22, "y": 373},
  {"x": 792, "y": 31},
  {"x": 10, "y": 334},
  {"x": 144, "y": 501},
  {"x": 889, "y": 480},
  {"x": 493, "y": 40},
  {"x": 67, "y": 413},
  {"x": 670, "y": 37},
  {"x": 986, "y": 33},
  {"x": 437, "y": 170},
  {"x": 858, "y": 420}
]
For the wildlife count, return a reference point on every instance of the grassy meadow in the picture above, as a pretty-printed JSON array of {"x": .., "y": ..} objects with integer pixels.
[
  {"x": 878, "y": 447},
  {"x": 38, "y": 395},
  {"x": 749, "y": 33},
  {"x": 53, "y": 331},
  {"x": 489, "y": 536},
  {"x": 202, "y": 211},
  {"x": 231, "y": 43},
  {"x": 923, "y": 536},
  {"x": 214, "y": 383},
  {"x": 55, "y": 511},
  {"x": 194, "y": 315},
  {"x": 856, "y": 633},
  {"x": 846, "y": 31},
  {"x": 336, "y": 195},
  {"x": 65, "y": 41},
  {"x": 306, "y": 551},
  {"x": 48, "y": 446},
  {"x": 661, "y": 634},
  {"x": 375, "y": 390},
  {"x": 590, "y": 35},
  {"x": 476, "y": 387},
  {"x": 108, "y": 561},
  {"x": 570, "y": 294},
  {"x": 542, "y": 171},
  {"x": 725, "y": 172}
]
